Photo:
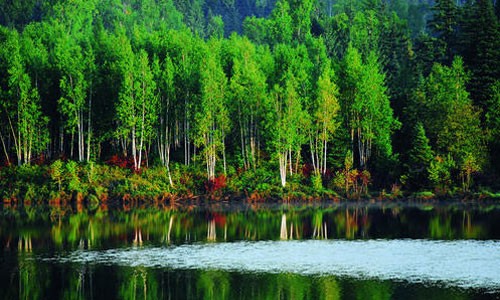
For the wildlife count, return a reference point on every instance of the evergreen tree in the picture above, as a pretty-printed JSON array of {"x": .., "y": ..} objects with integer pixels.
[
  {"x": 493, "y": 125},
  {"x": 420, "y": 157},
  {"x": 481, "y": 48},
  {"x": 443, "y": 25}
]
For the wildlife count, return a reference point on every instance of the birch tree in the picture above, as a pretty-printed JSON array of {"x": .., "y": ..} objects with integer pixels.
[
  {"x": 71, "y": 105},
  {"x": 22, "y": 108},
  {"x": 249, "y": 99},
  {"x": 212, "y": 117},
  {"x": 369, "y": 117},
  {"x": 324, "y": 120},
  {"x": 73, "y": 28},
  {"x": 291, "y": 125},
  {"x": 164, "y": 76},
  {"x": 136, "y": 110}
]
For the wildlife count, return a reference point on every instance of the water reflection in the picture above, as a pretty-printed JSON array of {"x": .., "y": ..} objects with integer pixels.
[
  {"x": 28, "y": 233},
  {"x": 61, "y": 229}
]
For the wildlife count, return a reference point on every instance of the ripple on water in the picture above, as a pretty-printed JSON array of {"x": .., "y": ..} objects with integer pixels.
[{"x": 465, "y": 264}]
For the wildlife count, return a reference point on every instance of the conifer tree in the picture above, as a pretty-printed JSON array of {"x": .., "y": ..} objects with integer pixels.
[
  {"x": 443, "y": 24},
  {"x": 420, "y": 157},
  {"x": 480, "y": 47}
]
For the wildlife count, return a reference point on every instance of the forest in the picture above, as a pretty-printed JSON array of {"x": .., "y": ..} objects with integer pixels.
[{"x": 145, "y": 99}]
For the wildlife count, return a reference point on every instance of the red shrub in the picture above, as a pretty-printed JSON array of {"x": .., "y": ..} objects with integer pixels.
[
  {"x": 215, "y": 184},
  {"x": 121, "y": 161}
]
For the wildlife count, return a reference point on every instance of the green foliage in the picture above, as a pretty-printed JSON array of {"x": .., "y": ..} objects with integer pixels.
[
  {"x": 212, "y": 117},
  {"x": 366, "y": 108},
  {"x": 72, "y": 177},
  {"x": 158, "y": 81},
  {"x": 443, "y": 24},
  {"x": 317, "y": 182},
  {"x": 440, "y": 173},
  {"x": 57, "y": 172},
  {"x": 420, "y": 158},
  {"x": 452, "y": 122}
]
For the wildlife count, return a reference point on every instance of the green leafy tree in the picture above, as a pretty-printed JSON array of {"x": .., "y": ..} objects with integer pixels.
[
  {"x": 193, "y": 14},
  {"x": 301, "y": 11},
  {"x": 136, "y": 110},
  {"x": 450, "y": 119},
  {"x": 493, "y": 125},
  {"x": 325, "y": 120},
  {"x": 366, "y": 107},
  {"x": 72, "y": 27},
  {"x": 281, "y": 26},
  {"x": 440, "y": 172},
  {"x": 215, "y": 27},
  {"x": 212, "y": 118},
  {"x": 164, "y": 77},
  {"x": 291, "y": 124},
  {"x": 186, "y": 53},
  {"x": 249, "y": 98},
  {"x": 70, "y": 61},
  {"x": 257, "y": 29},
  {"x": 21, "y": 108}
]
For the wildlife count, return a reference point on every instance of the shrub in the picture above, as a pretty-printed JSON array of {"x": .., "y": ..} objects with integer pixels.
[
  {"x": 317, "y": 182},
  {"x": 56, "y": 172}
]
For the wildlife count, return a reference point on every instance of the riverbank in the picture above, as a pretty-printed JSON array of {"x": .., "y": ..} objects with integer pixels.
[{"x": 67, "y": 182}]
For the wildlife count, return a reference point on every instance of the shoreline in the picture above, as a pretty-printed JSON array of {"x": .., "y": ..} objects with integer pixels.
[{"x": 95, "y": 183}]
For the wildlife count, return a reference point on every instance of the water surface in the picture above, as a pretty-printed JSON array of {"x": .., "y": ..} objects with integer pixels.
[{"x": 248, "y": 251}]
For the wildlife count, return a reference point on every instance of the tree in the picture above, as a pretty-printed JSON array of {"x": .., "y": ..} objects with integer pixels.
[
  {"x": 493, "y": 125},
  {"x": 249, "y": 98},
  {"x": 419, "y": 160},
  {"x": 443, "y": 24},
  {"x": 21, "y": 108},
  {"x": 325, "y": 121},
  {"x": 301, "y": 15},
  {"x": 291, "y": 124},
  {"x": 212, "y": 118},
  {"x": 136, "y": 110},
  {"x": 72, "y": 26},
  {"x": 256, "y": 29},
  {"x": 164, "y": 77},
  {"x": 281, "y": 26},
  {"x": 186, "y": 53},
  {"x": 215, "y": 27},
  {"x": 440, "y": 172},
  {"x": 193, "y": 15},
  {"x": 452, "y": 122},
  {"x": 480, "y": 47},
  {"x": 366, "y": 109},
  {"x": 70, "y": 61}
]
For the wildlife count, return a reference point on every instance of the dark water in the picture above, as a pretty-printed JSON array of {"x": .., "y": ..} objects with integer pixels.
[{"x": 226, "y": 250}]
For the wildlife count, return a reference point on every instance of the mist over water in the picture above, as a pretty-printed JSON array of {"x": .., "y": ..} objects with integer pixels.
[{"x": 461, "y": 263}]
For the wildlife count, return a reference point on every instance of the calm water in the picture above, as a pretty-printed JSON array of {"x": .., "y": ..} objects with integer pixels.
[{"x": 242, "y": 251}]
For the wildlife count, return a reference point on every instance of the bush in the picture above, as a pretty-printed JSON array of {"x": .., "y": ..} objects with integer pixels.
[
  {"x": 317, "y": 182},
  {"x": 440, "y": 173},
  {"x": 56, "y": 172}
]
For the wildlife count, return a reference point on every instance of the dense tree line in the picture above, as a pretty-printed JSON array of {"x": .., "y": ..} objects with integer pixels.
[{"x": 407, "y": 91}]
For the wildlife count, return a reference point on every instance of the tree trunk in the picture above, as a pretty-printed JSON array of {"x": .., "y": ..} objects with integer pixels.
[{"x": 89, "y": 123}]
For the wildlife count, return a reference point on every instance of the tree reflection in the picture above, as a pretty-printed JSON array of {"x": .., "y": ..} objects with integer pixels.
[
  {"x": 138, "y": 283},
  {"x": 213, "y": 284},
  {"x": 32, "y": 280}
]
